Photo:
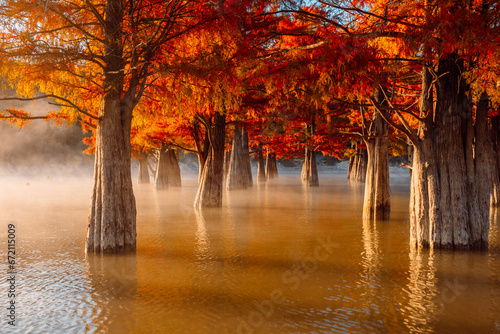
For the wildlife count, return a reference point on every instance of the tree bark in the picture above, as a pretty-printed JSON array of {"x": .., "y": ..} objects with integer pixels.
[
  {"x": 495, "y": 138},
  {"x": 173, "y": 169},
  {"x": 112, "y": 218},
  {"x": 410, "y": 156},
  {"x": 495, "y": 188},
  {"x": 237, "y": 177},
  {"x": 452, "y": 165},
  {"x": 377, "y": 194},
  {"x": 271, "y": 166},
  {"x": 261, "y": 168},
  {"x": 210, "y": 187},
  {"x": 305, "y": 167},
  {"x": 143, "y": 177},
  {"x": 227, "y": 163},
  {"x": 246, "y": 159},
  {"x": 309, "y": 168},
  {"x": 161, "y": 176},
  {"x": 357, "y": 166},
  {"x": 202, "y": 149}
]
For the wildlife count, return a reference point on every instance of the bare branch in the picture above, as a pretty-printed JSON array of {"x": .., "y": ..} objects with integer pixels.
[{"x": 70, "y": 104}]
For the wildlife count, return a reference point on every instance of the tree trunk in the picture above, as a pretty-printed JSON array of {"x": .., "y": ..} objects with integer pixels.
[
  {"x": 161, "y": 176},
  {"x": 410, "y": 156},
  {"x": 201, "y": 165},
  {"x": 310, "y": 169},
  {"x": 495, "y": 188},
  {"x": 452, "y": 165},
  {"x": 377, "y": 203},
  {"x": 271, "y": 166},
  {"x": 202, "y": 149},
  {"x": 173, "y": 169},
  {"x": 261, "y": 168},
  {"x": 210, "y": 187},
  {"x": 227, "y": 163},
  {"x": 495, "y": 138},
  {"x": 112, "y": 218},
  {"x": 357, "y": 166},
  {"x": 237, "y": 177},
  {"x": 246, "y": 159},
  {"x": 143, "y": 168}
]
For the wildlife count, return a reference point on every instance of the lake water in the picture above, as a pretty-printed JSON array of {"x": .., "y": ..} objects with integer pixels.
[{"x": 277, "y": 258}]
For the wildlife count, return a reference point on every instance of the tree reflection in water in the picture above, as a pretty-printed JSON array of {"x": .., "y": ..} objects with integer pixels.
[{"x": 114, "y": 282}]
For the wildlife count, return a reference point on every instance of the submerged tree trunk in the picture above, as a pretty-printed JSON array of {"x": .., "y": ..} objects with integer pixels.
[
  {"x": 237, "y": 177},
  {"x": 246, "y": 158},
  {"x": 377, "y": 203},
  {"x": 309, "y": 173},
  {"x": 112, "y": 218},
  {"x": 452, "y": 165},
  {"x": 210, "y": 187},
  {"x": 143, "y": 168},
  {"x": 227, "y": 163},
  {"x": 261, "y": 168},
  {"x": 161, "y": 176},
  {"x": 495, "y": 138},
  {"x": 168, "y": 172},
  {"x": 173, "y": 169},
  {"x": 357, "y": 165},
  {"x": 202, "y": 148},
  {"x": 271, "y": 166}
]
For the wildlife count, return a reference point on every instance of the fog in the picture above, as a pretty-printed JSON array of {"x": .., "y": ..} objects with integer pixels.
[{"x": 41, "y": 148}]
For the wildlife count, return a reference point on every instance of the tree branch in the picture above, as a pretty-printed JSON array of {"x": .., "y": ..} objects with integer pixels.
[{"x": 70, "y": 104}]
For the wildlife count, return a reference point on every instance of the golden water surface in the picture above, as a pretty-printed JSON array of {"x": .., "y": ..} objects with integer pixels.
[{"x": 277, "y": 258}]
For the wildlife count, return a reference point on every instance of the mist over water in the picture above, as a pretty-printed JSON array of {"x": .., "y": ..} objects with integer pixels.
[
  {"x": 41, "y": 149},
  {"x": 276, "y": 258}
]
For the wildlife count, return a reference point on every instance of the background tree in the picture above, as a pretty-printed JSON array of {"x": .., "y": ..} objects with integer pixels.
[{"x": 96, "y": 59}]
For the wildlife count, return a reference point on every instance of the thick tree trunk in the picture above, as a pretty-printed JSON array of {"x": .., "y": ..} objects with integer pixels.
[
  {"x": 161, "y": 176},
  {"x": 261, "y": 168},
  {"x": 210, "y": 187},
  {"x": 377, "y": 203},
  {"x": 246, "y": 159},
  {"x": 143, "y": 176},
  {"x": 305, "y": 167},
  {"x": 452, "y": 166},
  {"x": 168, "y": 172},
  {"x": 237, "y": 177},
  {"x": 271, "y": 166},
  {"x": 357, "y": 166},
  {"x": 495, "y": 138},
  {"x": 173, "y": 169},
  {"x": 112, "y": 219},
  {"x": 239, "y": 172},
  {"x": 310, "y": 169}
]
